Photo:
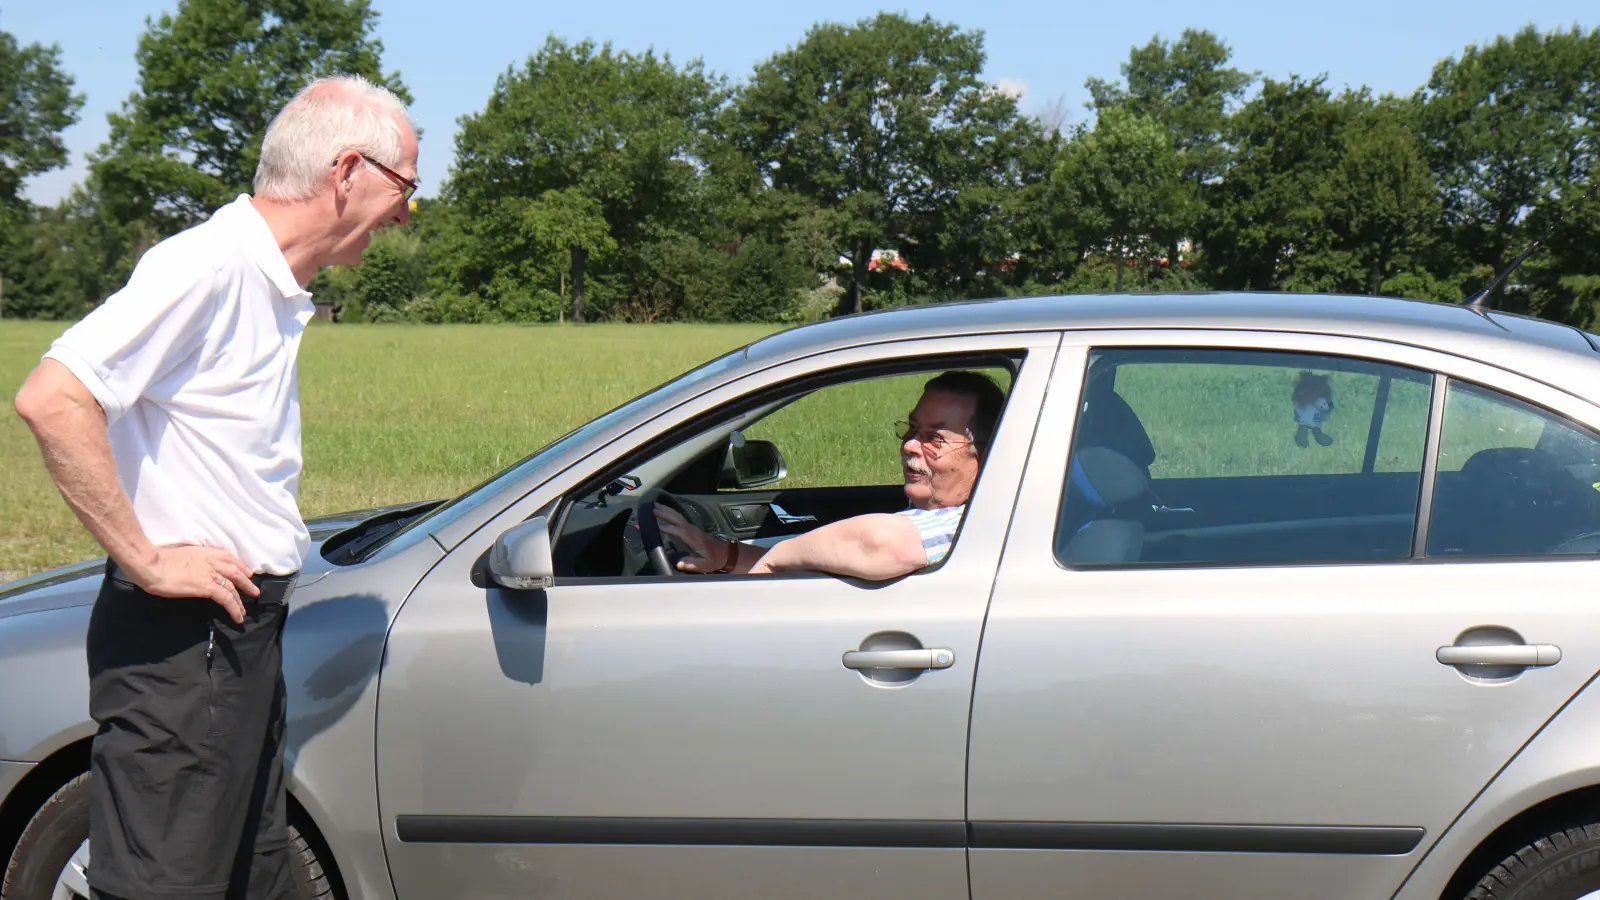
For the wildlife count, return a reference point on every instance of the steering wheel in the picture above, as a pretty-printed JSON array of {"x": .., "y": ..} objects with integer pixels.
[{"x": 643, "y": 541}]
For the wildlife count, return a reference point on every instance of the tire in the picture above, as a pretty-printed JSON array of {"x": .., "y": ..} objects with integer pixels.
[
  {"x": 1562, "y": 865},
  {"x": 311, "y": 881},
  {"x": 61, "y": 826},
  {"x": 47, "y": 844}
]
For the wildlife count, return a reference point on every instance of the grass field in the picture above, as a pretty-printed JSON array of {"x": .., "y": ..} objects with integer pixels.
[
  {"x": 389, "y": 413},
  {"x": 395, "y": 413}
]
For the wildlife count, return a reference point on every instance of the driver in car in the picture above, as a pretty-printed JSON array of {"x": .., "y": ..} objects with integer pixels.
[{"x": 941, "y": 447}]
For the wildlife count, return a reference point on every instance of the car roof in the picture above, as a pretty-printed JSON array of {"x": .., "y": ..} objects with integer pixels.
[{"x": 1543, "y": 350}]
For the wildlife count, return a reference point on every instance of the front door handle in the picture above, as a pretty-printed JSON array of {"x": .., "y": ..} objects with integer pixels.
[
  {"x": 788, "y": 518},
  {"x": 930, "y": 658},
  {"x": 1499, "y": 655}
]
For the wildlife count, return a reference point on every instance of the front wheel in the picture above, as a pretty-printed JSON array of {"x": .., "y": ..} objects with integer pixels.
[
  {"x": 52, "y": 858},
  {"x": 1562, "y": 865}
]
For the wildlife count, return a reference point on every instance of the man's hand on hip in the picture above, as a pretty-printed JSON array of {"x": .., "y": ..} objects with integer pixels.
[{"x": 197, "y": 572}]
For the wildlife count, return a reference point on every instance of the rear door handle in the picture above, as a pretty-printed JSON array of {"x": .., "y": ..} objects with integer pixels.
[
  {"x": 929, "y": 658},
  {"x": 1499, "y": 655}
]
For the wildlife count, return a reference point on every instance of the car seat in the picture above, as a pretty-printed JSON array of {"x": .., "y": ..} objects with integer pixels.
[
  {"x": 1108, "y": 421},
  {"x": 1100, "y": 524},
  {"x": 1510, "y": 501}
]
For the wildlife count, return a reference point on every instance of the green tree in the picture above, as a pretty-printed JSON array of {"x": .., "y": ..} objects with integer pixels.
[
  {"x": 36, "y": 105},
  {"x": 570, "y": 224},
  {"x": 45, "y": 268},
  {"x": 211, "y": 78},
  {"x": 1378, "y": 209},
  {"x": 1564, "y": 276},
  {"x": 883, "y": 125},
  {"x": 1188, "y": 88},
  {"x": 577, "y": 129},
  {"x": 1115, "y": 186},
  {"x": 1509, "y": 126},
  {"x": 391, "y": 275},
  {"x": 68, "y": 258},
  {"x": 980, "y": 240},
  {"x": 1264, "y": 214}
]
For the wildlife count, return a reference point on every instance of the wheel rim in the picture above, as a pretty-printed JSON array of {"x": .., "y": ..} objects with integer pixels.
[{"x": 73, "y": 882}]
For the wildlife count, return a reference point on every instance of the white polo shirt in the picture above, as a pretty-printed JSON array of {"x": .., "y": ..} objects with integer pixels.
[{"x": 194, "y": 364}]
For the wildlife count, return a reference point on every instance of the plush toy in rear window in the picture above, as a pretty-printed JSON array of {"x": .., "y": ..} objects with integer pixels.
[{"x": 1313, "y": 404}]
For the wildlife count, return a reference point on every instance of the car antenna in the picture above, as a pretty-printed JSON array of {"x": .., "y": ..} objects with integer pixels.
[{"x": 1478, "y": 302}]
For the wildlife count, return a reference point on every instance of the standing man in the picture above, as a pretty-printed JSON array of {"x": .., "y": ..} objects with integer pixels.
[{"x": 169, "y": 419}]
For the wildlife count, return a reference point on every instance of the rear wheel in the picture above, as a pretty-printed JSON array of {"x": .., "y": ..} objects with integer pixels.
[
  {"x": 1562, "y": 865},
  {"x": 53, "y": 855}
]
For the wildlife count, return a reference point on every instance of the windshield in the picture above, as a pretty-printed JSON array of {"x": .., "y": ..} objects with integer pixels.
[{"x": 517, "y": 470}]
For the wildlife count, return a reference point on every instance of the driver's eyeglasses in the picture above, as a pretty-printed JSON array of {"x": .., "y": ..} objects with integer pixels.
[
  {"x": 932, "y": 440},
  {"x": 408, "y": 186}
]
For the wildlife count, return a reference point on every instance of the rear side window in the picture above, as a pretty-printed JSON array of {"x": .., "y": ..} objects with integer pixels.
[
  {"x": 1513, "y": 480},
  {"x": 1239, "y": 457}
]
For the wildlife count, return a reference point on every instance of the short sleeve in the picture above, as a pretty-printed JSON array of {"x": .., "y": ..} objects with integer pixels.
[
  {"x": 936, "y": 528},
  {"x": 140, "y": 333}
]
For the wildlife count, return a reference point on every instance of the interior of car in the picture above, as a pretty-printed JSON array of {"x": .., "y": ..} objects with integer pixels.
[
  {"x": 1520, "y": 501},
  {"x": 728, "y": 483},
  {"x": 1119, "y": 509}
]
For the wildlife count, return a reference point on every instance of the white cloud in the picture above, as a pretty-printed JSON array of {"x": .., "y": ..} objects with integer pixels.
[{"x": 1015, "y": 88}]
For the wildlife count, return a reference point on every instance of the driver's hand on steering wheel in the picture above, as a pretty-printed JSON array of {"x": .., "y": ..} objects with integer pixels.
[{"x": 706, "y": 553}]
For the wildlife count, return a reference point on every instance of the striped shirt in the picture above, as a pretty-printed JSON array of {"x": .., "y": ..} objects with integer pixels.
[{"x": 937, "y": 528}]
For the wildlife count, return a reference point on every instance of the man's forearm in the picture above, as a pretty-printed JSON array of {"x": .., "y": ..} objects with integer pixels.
[
  {"x": 874, "y": 547},
  {"x": 72, "y": 438}
]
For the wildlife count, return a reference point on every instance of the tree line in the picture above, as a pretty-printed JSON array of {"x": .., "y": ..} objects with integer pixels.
[{"x": 867, "y": 165}]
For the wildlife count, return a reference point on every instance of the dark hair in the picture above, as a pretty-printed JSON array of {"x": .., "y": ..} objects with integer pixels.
[{"x": 987, "y": 396}]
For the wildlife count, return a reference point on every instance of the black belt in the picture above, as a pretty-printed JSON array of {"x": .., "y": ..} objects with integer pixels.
[{"x": 274, "y": 588}]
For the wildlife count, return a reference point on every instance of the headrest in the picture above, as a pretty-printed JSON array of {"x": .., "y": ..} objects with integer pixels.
[
  {"x": 1518, "y": 469},
  {"x": 1106, "y": 477},
  {"x": 1108, "y": 421}
]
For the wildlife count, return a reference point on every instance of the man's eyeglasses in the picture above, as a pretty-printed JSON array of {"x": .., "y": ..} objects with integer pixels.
[
  {"x": 932, "y": 440},
  {"x": 408, "y": 186}
]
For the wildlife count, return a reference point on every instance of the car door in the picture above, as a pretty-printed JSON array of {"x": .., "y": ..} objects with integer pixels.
[
  {"x": 1183, "y": 695},
  {"x": 695, "y": 736}
]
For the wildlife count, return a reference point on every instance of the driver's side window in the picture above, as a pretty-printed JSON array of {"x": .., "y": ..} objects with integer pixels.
[{"x": 845, "y": 435}]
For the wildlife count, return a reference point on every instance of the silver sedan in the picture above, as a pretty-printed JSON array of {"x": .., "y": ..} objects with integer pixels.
[{"x": 1257, "y": 596}]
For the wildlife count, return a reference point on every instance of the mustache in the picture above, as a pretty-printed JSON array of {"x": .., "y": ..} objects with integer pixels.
[{"x": 915, "y": 464}]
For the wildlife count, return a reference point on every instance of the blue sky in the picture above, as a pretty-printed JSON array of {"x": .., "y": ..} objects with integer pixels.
[{"x": 449, "y": 53}]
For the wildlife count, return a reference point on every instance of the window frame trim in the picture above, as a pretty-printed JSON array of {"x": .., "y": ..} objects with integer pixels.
[
  {"x": 1038, "y": 350},
  {"x": 1423, "y": 521}
]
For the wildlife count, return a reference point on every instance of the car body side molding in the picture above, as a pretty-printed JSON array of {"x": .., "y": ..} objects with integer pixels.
[
  {"x": 695, "y": 832},
  {"x": 1308, "y": 839}
]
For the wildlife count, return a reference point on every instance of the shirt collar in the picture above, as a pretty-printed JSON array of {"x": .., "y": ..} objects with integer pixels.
[
  {"x": 935, "y": 510},
  {"x": 263, "y": 248}
]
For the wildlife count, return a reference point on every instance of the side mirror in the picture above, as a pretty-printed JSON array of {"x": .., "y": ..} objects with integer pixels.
[
  {"x": 751, "y": 463},
  {"x": 520, "y": 558}
]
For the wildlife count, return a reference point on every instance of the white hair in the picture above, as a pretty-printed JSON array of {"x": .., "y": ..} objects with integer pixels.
[{"x": 327, "y": 118}]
